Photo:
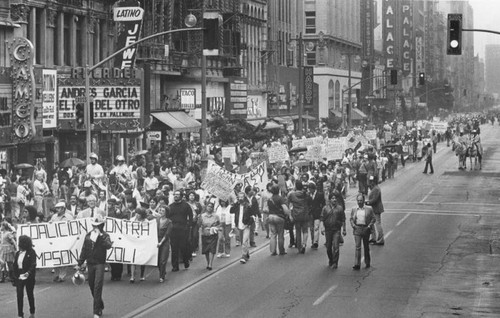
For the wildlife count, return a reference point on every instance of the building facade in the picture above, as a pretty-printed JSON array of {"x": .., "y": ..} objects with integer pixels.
[{"x": 492, "y": 63}]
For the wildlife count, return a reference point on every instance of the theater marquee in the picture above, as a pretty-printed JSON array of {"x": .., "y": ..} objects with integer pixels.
[{"x": 115, "y": 95}]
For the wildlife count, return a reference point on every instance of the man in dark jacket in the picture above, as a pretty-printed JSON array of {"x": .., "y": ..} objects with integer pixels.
[
  {"x": 317, "y": 204},
  {"x": 244, "y": 217},
  {"x": 375, "y": 201},
  {"x": 94, "y": 252},
  {"x": 253, "y": 204},
  {"x": 300, "y": 205},
  {"x": 333, "y": 218},
  {"x": 181, "y": 215}
]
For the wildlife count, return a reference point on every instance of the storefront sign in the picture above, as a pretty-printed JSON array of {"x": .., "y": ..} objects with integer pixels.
[
  {"x": 131, "y": 18},
  {"x": 117, "y": 101},
  {"x": 367, "y": 27},
  {"x": 237, "y": 97},
  {"x": 154, "y": 135},
  {"x": 406, "y": 34},
  {"x": 308, "y": 85},
  {"x": 188, "y": 98},
  {"x": 23, "y": 88},
  {"x": 49, "y": 99},
  {"x": 388, "y": 32},
  {"x": 419, "y": 54}
]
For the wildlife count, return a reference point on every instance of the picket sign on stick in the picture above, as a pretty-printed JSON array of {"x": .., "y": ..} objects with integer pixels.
[{"x": 278, "y": 153}]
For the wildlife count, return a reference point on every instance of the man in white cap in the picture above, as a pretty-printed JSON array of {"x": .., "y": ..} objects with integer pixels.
[
  {"x": 92, "y": 210},
  {"x": 94, "y": 170},
  {"x": 61, "y": 215},
  {"x": 121, "y": 170},
  {"x": 94, "y": 250}
]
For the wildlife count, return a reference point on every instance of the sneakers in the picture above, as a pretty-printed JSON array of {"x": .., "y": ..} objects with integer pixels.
[
  {"x": 193, "y": 254},
  {"x": 356, "y": 267},
  {"x": 143, "y": 279},
  {"x": 243, "y": 261},
  {"x": 227, "y": 255},
  {"x": 219, "y": 255},
  {"x": 237, "y": 243},
  {"x": 132, "y": 280},
  {"x": 315, "y": 245},
  {"x": 162, "y": 280},
  {"x": 302, "y": 250}
]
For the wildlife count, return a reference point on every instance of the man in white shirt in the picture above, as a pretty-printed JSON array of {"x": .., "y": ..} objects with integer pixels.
[
  {"x": 121, "y": 170},
  {"x": 92, "y": 210},
  {"x": 72, "y": 206},
  {"x": 94, "y": 170}
]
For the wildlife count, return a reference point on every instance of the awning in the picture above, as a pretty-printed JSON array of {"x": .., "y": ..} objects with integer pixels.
[
  {"x": 180, "y": 122},
  {"x": 284, "y": 120},
  {"x": 357, "y": 114},
  {"x": 272, "y": 125},
  {"x": 336, "y": 113},
  {"x": 296, "y": 117},
  {"x": 255, "y": 122}
]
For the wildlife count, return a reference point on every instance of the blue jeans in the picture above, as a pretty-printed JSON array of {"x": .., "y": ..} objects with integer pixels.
[
  {"x": 333, "y": 246},
  {"x": 301, "y": 229},
  {"x": 96, "y": 282},
  {"x": 277, "y": 233},
  {"x": 225, "y": 239},
  {"x": 163, "y": 252},
  {"x": 245, "y": 242}
]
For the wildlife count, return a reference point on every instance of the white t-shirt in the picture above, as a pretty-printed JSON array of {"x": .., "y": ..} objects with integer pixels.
[{"x": 360, "y": 216}]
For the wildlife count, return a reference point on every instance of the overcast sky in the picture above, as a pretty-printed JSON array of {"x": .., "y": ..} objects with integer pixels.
[{"x": 486, "y": 16}]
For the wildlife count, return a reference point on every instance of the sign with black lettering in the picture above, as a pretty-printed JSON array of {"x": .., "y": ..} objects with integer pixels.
[
  {"x": 188, "y": 98},
  {"x": 129, "y": 14},
  {"x": 308, "y": 85},
  {"x": 60, "y": 243},
  {"x": 49, "y": 99}
]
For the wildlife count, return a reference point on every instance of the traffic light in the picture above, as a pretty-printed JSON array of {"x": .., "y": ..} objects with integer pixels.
[
  {"x": 421, "y": 78},
  {"x": 454, "y": 34},
  {"x": 80, "y": 116},
  {"x": 211, "y": 34},
  {"x": 394, "y": 77}
]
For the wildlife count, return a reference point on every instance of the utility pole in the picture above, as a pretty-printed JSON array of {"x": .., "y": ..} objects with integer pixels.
[
  {"x": 301, "y": 80},
  {"x": 203, "y": 134}
]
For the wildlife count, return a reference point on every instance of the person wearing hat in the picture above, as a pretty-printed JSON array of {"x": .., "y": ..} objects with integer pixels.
[
  {"x": 94, "y": 170},
  {"x": 92, "y": 210},
  {"x": 95, "y": 245},
  {"x": 374, "y": 200},
  {"x": 121, "y": 170},
  {"x": 62, "y": 214},
  {"x": 40, "y": 191}
]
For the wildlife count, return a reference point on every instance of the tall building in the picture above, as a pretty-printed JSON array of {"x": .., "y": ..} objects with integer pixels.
[{"x": 492, "y": 63}]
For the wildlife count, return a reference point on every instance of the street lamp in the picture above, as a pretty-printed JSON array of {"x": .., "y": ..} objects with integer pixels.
[{"x": 347, "y": 55}]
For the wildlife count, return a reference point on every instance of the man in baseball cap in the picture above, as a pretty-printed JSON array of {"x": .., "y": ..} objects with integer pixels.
[{"x": 94, "y": 170}]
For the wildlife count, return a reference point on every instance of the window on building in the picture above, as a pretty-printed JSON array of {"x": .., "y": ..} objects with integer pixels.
[
  {"x": 331, "y": 95},
  {"x": 311, "y": 58},
  {"x": 67, "y": 39},
  {"x": 38, "y": 36},
  {"x": 337, "y": 95},
  {"x": 80, "y": 37},
  {"x": 310, "y": 22}
]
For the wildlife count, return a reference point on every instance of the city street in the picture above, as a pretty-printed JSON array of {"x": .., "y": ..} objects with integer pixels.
[{"x": 440, "y": 259}]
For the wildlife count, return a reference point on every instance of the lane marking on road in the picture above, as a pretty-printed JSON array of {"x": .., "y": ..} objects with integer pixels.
[
  {"x": 387, "y": 235},
  {"x": 403, "y": 219},
  {"x": 38, "y": 291},
  {"x": 427, "y": 195},
  {"x": 436, "y": 212},
  {"x": 325, "y": 294},
  {"x": 438, "y": 203}
]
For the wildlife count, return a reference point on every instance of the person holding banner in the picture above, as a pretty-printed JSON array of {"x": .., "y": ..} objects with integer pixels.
[
  {"x": 61, "y": 215},
  {"x": 24, "y": 269},
  {"x": 95, "y": 245},
  {"x": 92, "y": 210},
  {"x": 141, "y": 215},
  {"x": 164, "y": 230}
]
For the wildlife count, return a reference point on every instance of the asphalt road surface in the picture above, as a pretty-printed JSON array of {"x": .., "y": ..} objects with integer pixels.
[{"x": 441, "y": 259}]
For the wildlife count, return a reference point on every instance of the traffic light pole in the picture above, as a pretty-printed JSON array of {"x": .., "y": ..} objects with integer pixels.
[{"x": 88, "y": 71}]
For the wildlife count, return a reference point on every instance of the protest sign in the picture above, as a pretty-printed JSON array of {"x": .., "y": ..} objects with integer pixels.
[
  {"x": 257, "y": 177},
  {"x": 314, "y": 153},
  {"x": 307, "y": 142},
  {"x": 388, "y": 136},
  {"x": 335, "y": 148},
  {"x": 229, "y": 152},
  {"x": 277, "y": 153},
  {"x": 218, "y": 181},
  {"x": 60, "y": 243},
  {"x": 257, "y": 158},
  {"x": 371, "y": 134}
]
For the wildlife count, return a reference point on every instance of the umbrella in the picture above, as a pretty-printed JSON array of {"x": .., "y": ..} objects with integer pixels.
[
  {"x": 23, "y": 166},
  {"x": 301, "y": 163},
  {"x": 72, "y": 162},
  {"x": 297, "y": 149},
  {"x": 141, "y": 152}
]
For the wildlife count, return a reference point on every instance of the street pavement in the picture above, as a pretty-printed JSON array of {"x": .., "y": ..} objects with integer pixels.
[{"x": 440, "y": 259}]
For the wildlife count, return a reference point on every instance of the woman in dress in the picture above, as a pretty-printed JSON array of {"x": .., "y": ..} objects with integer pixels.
[
  {"x": 24, "y": 269},
  {"x": 164, "y": 229},
  {"x": 209, "y": 223},
  {"x": 194, "y": 235},
  {"x": 7, "y": 250}
]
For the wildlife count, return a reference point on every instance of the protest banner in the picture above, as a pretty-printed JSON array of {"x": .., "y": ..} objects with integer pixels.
[
  {"x": 257, "y": 158},
  {"x": 371, "y": 134},
  {"x": 335, "y": 148},
  {"x": 307, "y": 142},
  {"x": 387, "y": 136},
  {"x": 218, "y": 181},
  {"x": 277, "y": 153},
  {"x": 229, "y": 152},
  {"x": 314, "y": 153},
  {"x": 60, "y": 243},
  {"x": 256, "y": 177}
]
